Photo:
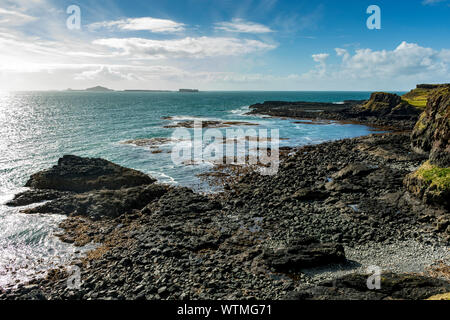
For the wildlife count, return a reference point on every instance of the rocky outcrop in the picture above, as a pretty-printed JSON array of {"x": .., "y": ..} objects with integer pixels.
[
  {"x": 392, "y": 287},
  {"x": 78, "y": 174},
  {"x": 381, "y": 110},
  {"x": 382, "y": 104},
  {"x": 432, "y": 132},
  {"x": 94, "y": 188},
  {"x": 304, "y": 253},
  {"x": 431, "y": 182}
]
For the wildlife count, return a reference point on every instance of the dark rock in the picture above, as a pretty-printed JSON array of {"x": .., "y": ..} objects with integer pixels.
[
  {"x": 103, "y": 203},
  {"x": 34, "y": 196},
  {"x": 304, "y": 254},
  {"x": 393, "y": 286},
  {"x": 86, "y": 174},
  {"x": 353, "y": 170},
  {"x": 382, "y": 110},
  {"x": 310, "y": 194}
]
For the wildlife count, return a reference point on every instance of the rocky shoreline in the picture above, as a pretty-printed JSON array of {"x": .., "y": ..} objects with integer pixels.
[{"x": 309, "y": 232}]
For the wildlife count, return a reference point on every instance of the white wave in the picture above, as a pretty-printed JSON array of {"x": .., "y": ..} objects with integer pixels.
[
  {"x": 162, "y": 177},
  {"x": 190, "y": 118},
  {"x": 241, "y": 111}
]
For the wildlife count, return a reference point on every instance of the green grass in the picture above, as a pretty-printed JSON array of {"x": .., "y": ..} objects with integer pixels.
[
  {"x": 418, "y": 97},
  {"x": 418, "y": 102},
  {"x": 439, "y": 177}
]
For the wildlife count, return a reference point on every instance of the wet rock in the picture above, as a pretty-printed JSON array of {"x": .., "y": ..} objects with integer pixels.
[
  {"x": 34, "y": 196},
  {"x": 78, "y": 174}
]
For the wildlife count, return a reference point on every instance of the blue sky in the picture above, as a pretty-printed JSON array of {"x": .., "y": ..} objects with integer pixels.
[{"x": 224, "y": 44}]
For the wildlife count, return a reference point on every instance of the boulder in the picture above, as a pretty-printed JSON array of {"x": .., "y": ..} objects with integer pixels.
[
  {"x": 353, "y": 170},
  {"x": 78, "y": 174},
  {"x": 304, "y": 253}
]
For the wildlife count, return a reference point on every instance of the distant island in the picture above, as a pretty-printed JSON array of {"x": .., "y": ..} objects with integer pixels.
[
  {"x": 94, "y": 89},
  {"x": 104, "y": 89},
  {"x": 139, "y": 90},
  {"x": 188, "y": 90}
]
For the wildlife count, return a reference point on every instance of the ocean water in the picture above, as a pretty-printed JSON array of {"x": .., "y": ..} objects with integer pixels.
[{"x": 37, "y": 128}]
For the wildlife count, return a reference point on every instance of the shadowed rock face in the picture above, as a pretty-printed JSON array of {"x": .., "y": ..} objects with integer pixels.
[
  {"x": 78, "y": 174},
  {"x": 102, "y": 203},
  {"x": 432, "y": 132}
]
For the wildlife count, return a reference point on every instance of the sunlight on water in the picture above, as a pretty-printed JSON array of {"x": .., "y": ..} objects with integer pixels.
[{"x": 38, "y": 128}]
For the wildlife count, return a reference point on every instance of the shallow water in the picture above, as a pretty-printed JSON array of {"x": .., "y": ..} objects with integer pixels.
[{"x": 37, "y": 128}]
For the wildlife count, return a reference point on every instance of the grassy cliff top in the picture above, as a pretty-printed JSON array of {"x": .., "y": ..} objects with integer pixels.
[{"x": 419, "y": 97}]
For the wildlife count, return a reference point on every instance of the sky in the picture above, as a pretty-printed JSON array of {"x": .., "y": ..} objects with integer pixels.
[{"x": 223, "y": 44}]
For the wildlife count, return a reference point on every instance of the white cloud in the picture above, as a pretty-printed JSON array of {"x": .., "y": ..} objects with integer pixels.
[
  {"x": 320, "y": 57},
  {"x": 202, "y": 47},
  {"x": 145, "y": 23},
  {"x": 405, "y": 60},
  {"x": 404, "y": 66},
  {"x": 242, "y": 26}
]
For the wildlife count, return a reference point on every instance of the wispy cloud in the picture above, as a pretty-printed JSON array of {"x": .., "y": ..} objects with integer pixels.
[
  {"x": 14, "y": 18},
  {"x": 242, "y": 26},
  {"x": 431, "y": 2},
  {"x": 202, "y": 47},
  {"x": 145, "y": 23}
]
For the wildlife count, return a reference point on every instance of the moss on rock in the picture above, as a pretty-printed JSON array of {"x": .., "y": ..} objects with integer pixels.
[
  {"x": 430, "y": 183},
  {"x": 438, "y": 177}
]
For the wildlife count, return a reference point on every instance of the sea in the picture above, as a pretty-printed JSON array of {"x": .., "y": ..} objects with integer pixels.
[{"x": 37, "y": 128}]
